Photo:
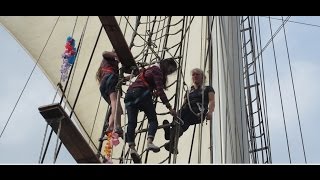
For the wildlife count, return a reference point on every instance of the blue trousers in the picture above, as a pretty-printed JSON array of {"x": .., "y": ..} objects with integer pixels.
[{"x": 135, "y": 100}]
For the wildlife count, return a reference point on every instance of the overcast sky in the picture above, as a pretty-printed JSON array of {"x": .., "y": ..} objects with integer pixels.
[
  {"x": 21, "y": 142},
  {"x": 22, "y": 139},
  {"x": 303, "y": 42}
]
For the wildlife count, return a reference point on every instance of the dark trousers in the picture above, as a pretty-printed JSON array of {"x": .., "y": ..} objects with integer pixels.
[
  {"x": 143, "y": 103},
  {"x": 188, "y": 118}
]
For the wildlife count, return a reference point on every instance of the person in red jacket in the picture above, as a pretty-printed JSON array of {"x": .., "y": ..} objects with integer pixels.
[
  {"x": 139, "y": 97},
  {"x": 108, "y": 75}
]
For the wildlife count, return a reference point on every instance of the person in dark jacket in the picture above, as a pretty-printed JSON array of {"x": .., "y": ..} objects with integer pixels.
[{"x": 190, "y": 112}]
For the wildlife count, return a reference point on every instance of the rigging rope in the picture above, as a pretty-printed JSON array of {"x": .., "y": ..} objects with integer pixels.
[
  {"x": 262, "y": 115},
  {"x": 264, "y": 94},
  {"x": 251, "y": 66},
  {"x": 183, "y": 52},
  {"x": 95, "y": 119},
  {"x": 294, "y": 92},
  {"x": 106, "y": 120},
  {"x": 66, "y": 85},
  {"x": 73, "y": 72},
  {"x": 84, "y": 76},
  {"x": 248, "y": 100},
  {"x": 178, "y": 89},
  {"x": 283, "y": 116},
  {"x": 55, "y": 156},
  {"x": 47, "y": 125},
  {"x": 150, "y": 29},
  {"x": 59, "y": 84},
  {"x": 143, "y": 39},
  {"x": 308, "y": 24},
  {"x": 162, "y": 30},
  {"x": 191, "y": 146},
  {"x": 77, "y": 57},
  {"x": 274, "y": 35},
  {"x": 202, "y": 98},
  {"x": 210, "y": 56}
]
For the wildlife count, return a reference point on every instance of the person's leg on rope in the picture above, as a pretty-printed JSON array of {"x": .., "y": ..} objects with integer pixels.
[
  {"x": 149, "y": 109},
  {"x": 113, "y": 102},
  {"x": 169, "y": 146},
  {"x": 166, "y": 129},
  {"x": 105, "y": 93},
  {"x": 134, "y": 154},
  {"x": 186, "y": 117},
  {"x": 119, "y": 112},
  {"x": 109, "y": 93},
  {"x": 132, "y": 124}
]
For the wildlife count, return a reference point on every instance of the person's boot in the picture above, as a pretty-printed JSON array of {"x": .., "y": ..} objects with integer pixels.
[
  {"x": 169, "y": 146},
  {"x": 135, "y": 156},
  {"x": 152, "y": 147},
  {"x": 108, "y": 130},
  {"x": 166, "y": 130},
  {"x": 119, "y": 131}
]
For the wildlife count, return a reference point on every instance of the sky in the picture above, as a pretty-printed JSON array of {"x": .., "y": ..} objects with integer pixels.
[
  {"x": 303, "y": 42},
  {"x": 22, "y": 139},
  {"x": 21, "y": 142}
]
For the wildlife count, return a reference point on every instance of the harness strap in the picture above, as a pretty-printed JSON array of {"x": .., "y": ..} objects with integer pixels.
[
  {"x": 142, "y": 77},
  {"x": 138, "y": 98},
  {"x": 108, "y": 69}
]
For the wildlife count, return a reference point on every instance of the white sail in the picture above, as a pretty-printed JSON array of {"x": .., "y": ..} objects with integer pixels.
[
  {"x": 34, "y": 32},
  {"x": 230, "y": 128}
]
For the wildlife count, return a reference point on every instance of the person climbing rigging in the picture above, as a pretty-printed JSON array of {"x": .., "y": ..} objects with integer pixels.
[
  {"x": 191, "y": 108},
  {"x": 108, "y": 76},
  {"x": 139, "y": 97}
]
